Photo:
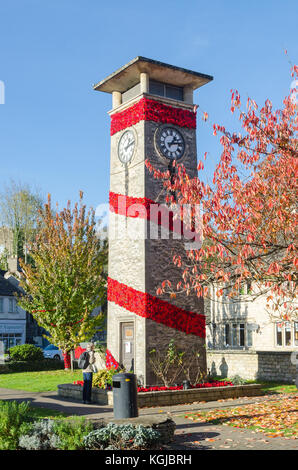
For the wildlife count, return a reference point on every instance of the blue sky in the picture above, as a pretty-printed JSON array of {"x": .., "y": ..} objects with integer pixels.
[{"x": 54, "y": 129}]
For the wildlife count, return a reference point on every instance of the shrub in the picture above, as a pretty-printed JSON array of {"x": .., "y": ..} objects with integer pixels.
[
  {"x": 40, "y": 436},
  {"x": 170, "y": 365},
  {"x": 167, "y": 364},
  {"x": 31, "y": 366},
  {"x": 14, "y": 418},
  {"x": 71, "y": 433},
  {"x": 48, "y": 434},
  {"x": 104, "y": 377},
  {"x": 26, "y": 352},
  {"x": 121, "y": 436},
  {"x": 237, "y": 380}
]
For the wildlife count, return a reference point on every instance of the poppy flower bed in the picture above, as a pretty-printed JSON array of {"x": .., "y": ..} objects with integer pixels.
[
  {"x": 215, "y": 383},
  {"x": 180, "y": 387}
]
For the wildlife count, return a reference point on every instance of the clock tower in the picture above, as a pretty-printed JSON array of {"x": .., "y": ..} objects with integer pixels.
[{"x": 152, "y": 120}]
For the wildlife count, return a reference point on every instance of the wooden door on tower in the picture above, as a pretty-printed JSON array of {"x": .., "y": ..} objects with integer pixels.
[{"x": 127, "y": 346}]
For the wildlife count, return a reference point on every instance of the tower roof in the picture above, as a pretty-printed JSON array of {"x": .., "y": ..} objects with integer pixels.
[{"x": 129, "y": 75}]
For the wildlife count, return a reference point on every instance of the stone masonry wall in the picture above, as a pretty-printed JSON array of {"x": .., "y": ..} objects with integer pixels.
[
  {"x": 228, "y": 363},
  {"x": 269, "y": 366},
  {"x": 276, "y": 366}
]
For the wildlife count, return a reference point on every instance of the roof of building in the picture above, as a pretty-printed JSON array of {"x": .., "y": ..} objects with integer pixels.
[
  {"x": 7, "y": 288},
  {"x": 128, "y": 75}
]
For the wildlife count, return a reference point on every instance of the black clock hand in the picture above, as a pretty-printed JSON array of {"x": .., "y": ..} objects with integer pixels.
[
  {"x": 132, "y": 142},
  {"x": 175, "y": 142}
]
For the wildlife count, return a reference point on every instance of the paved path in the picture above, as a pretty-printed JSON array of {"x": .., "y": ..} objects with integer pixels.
[{"x": 189, "y": 435}]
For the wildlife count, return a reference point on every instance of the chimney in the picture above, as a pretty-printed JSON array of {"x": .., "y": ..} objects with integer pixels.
[{"x": 13, "y": 264}]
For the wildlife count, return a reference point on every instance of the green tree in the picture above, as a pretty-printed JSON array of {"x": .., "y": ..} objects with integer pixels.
[
  {"x": 3, "y": 260},
  {"x": 19, "y": 206},
  {"x": 67, "y": 281}
]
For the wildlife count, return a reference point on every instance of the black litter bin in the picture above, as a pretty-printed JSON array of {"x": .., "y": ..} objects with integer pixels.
[{"x": 125, "y": 396}]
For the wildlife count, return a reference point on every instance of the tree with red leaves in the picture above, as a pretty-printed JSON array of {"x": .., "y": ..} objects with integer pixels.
[{"x": 249, "y": 213}]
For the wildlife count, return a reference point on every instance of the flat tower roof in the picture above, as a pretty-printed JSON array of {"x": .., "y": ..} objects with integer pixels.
[{"x": 129, "y": 75}]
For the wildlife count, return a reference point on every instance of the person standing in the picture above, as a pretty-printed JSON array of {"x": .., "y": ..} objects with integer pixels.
[{"x": 88, "y": 372}]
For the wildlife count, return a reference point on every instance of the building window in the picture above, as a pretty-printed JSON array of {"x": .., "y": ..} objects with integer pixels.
[
  {"x": 214, "y": 333},
  {"x": 249, "y": 337},
  {"x": 1, "y": 306},
  {"x": 156, "y": 88},
  {"x": 10, "y": 339},
  {"x": 163, "y": 89},
  {"x": 227, "y": 334},
  {"x": 242, "y": 334},
  {"x": 238, "y": 335},
  {"x": 278, "y": 334},
  {"x": 11, "y": 306},
  {"x": 288, "y": 334},
  {"x": 234, "y": 334},
  {"x": 284, "y": 334}
]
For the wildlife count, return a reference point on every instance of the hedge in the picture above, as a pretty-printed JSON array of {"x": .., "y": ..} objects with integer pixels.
[{"x": 31, "y": 366}]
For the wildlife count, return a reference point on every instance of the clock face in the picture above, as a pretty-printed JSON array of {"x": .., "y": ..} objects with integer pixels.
[
  {"x": 171, "y": 143},
  {"x": 126, "y": 147}
]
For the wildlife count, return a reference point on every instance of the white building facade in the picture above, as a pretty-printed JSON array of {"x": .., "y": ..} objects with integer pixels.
[
  {"x": 242, "y": 339},
  {"x": 12, "y": 316}
]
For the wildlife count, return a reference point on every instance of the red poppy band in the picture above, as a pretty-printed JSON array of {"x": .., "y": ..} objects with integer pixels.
[
  {"x": 145, "y": 208},
  {"x": 149, "y": 306},
  {"x": 150, "y": 110}
]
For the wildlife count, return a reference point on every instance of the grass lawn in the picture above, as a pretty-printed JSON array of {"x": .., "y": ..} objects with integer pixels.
[
  {"x": 269, "y": 387},
  {"x": 273, "y": 387},
  {"x": 278, "y": 418},
  {"x": 42, "y": 381},
  {"x": 37, "y": 413},
  {"x": 47, "y": 381}
]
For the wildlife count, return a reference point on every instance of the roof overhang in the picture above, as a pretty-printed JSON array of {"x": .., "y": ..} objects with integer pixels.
[{"x": 129, "y": 75}]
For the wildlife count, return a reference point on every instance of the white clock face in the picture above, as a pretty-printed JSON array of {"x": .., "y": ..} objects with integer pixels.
[
  {"x": 171, "y": 143},
  {"x": 126, "y": 147}
]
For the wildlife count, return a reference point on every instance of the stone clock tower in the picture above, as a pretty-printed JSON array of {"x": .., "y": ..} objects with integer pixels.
[{"x": 152, "y": 120}]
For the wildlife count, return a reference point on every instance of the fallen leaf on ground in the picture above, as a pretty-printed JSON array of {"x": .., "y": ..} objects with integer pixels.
[{"x": 275, "y": 418}]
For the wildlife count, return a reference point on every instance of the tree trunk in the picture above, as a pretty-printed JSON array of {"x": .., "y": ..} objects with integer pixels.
[
  {"x": 71, "y": 359},
  {"x": 67, "y": 360}
]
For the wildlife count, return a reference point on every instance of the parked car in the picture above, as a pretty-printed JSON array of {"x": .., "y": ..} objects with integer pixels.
[{"x": 53, "y": 352}]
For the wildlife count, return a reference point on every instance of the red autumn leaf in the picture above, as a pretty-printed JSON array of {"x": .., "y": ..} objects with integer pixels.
[{"x": 249, "y": 208}]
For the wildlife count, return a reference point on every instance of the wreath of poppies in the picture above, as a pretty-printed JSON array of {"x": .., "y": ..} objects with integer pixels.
[
  {"x": 158, "y": 310},
  {"x": 111, "y": 362},
  {"x": 150, "y": 110}
]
